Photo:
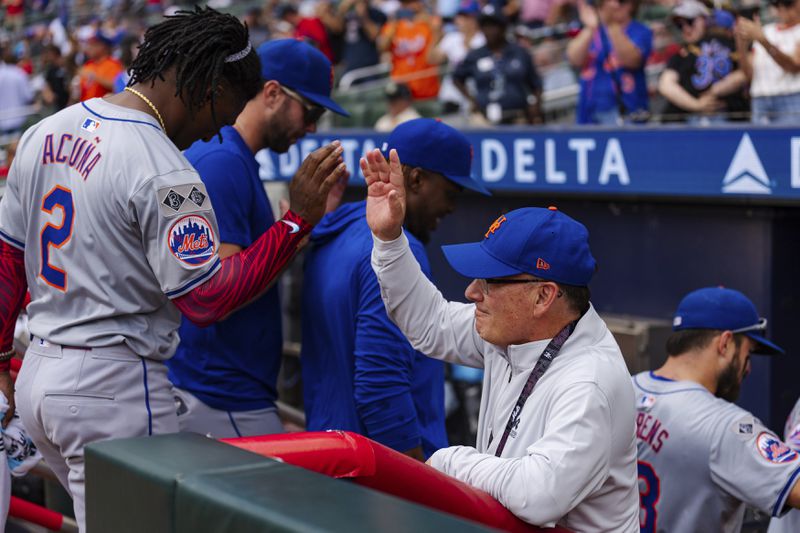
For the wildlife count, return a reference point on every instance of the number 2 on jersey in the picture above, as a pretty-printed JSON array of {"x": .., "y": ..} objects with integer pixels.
[
  {"x": 649, "y": 491},
  {"x": 56, "y": 236}
]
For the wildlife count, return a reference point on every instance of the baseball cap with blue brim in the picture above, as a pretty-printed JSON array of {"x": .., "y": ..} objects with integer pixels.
[
  {"x": 545, "y": 243},
  {"x": 724, "y": 309},
  {"x": 433, "y": 145},
  {"x": 302, "y": 68},
  {"x": 469, "y": 7},
  {"x": 103, "y": 38}
]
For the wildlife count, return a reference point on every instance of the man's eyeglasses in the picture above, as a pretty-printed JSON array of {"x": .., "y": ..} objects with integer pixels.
[
  {"x": 761, "y": 325},
  {"x": 782, "y": 3},
  {"x": 311, "y": 112},
  {"x": 484, "y": 283}
]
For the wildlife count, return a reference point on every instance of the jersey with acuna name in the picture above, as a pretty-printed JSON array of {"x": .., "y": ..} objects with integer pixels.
[
  {"x": 701, "y": 459},
  {"x": 114, "y": 222}
]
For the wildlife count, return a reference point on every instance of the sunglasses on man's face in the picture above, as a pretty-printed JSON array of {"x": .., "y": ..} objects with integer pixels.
[
  {"x": 782, "y": 3},
  {"x": 311, "y": 112},
  {"x": 682, "y": 23}
]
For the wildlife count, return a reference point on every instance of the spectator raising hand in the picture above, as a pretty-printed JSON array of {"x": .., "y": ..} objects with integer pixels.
[
  {"x": 774, "y": 67},
  {"x": 407, "y": 38},
  {"x": 610, "y": 52}
]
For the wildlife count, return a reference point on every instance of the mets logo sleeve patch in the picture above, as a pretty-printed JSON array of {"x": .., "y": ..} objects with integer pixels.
[
  {"x": 191, "y": 240},
  {"x": 773, "y": 450}
]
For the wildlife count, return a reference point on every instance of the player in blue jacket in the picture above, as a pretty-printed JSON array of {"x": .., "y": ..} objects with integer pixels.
[
  {"x": 225, "y": 374},
  {"x": 359, "y": 371}
]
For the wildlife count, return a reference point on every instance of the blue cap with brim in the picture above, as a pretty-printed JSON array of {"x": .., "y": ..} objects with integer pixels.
[
  {"x": 302, "y": 68},
  {"x": 724, "y": 309},
  {"x": 433, "y": 145},
  {"x": 545, "y": 243},
  {"x": 469, "y": 7},
  {"x": 102, "y": 38}
]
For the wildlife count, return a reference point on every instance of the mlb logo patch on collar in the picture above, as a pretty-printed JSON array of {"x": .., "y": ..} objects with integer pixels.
[
  {"x": 773, "y": 450},
  {"x": 646, "y": 402},
  {"x": 90, "y": 124}
]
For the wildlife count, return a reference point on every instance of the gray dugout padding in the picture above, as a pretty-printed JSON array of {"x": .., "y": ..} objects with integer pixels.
[{"x": 186, "y": 483}]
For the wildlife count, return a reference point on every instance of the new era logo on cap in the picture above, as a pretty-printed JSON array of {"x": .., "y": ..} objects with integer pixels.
[{"x": 541, "y": 264}]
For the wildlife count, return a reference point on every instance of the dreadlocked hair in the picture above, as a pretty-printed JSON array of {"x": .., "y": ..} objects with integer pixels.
[{"x": 196, "y": 44}]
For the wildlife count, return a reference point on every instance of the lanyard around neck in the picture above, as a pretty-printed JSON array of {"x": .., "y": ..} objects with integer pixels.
[{"x": 549, "y": 353}]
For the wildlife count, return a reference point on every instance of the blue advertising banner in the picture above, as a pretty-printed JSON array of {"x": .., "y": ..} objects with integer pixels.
[{"x": 757, "y": 163}]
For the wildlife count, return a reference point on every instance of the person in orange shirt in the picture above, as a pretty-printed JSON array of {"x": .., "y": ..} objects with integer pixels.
[
  {"x": 408, "y": 37},
  {"x": 98, "y": 74}
]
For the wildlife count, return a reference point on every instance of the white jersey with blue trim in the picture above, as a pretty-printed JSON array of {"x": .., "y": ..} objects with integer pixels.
[
  {"x": 702, "y": 459},
  {"x": 113, "y": 221}
]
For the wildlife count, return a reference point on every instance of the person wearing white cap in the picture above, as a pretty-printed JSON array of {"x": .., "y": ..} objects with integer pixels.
[
  {"x": 702, "y": 458},
  {"x": 702, "y": 83}
]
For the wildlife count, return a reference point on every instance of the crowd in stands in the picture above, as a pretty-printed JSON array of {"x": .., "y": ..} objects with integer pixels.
[{"x": 479, "y": 62}]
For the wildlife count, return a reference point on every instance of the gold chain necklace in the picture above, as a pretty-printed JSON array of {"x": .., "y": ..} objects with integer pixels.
[{"x": 152, "y": 106}]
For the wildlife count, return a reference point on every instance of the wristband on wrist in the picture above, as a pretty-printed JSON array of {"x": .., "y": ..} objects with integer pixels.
[{"x": 303, "y": 226}]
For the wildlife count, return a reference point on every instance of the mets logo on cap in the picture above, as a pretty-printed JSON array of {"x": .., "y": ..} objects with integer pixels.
[
  {"x": 774, "y": 450},
  {"x": 191, "y": 240},
  {"x": 495, "y": 226}
]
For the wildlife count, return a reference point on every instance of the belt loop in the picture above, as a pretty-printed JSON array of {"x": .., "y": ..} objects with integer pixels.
[{"x": 49, "y": 347}]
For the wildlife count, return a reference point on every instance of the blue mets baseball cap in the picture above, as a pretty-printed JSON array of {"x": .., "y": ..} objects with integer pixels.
[
  {"x": 545, "y": 243},
  {"x": 726, "y": 310},
  {"x": 300, "y": 67},
  {"x": 433, "y": 145},
  {"x": 469, "y": 7}
]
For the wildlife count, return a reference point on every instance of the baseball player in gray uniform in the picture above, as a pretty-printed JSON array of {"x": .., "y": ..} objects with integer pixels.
[
  {"x": 790, "y": 523},
  {"x": 112, "y": 231},
  {"x": 702, "y": 458}
]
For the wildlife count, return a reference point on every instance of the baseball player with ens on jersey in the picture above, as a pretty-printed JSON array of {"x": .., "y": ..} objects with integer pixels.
[
  {"x": 112, "y": 231},
  {"x": 702, "y": 458}
]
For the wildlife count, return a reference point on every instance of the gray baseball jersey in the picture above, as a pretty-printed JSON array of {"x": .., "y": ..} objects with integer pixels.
[
  {"x": 701, "y": 459},
  {"x": 113, "y": 221},
  {"x": 791, "y": 522}
]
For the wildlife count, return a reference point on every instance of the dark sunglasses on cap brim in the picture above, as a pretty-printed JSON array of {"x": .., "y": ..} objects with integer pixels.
[{"x": 311, "y": 112}]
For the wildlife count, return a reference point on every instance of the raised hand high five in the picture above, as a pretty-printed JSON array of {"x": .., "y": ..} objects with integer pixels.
[
  {"x": 386, "y": 194},
  {"x": 310, "y": 189}
]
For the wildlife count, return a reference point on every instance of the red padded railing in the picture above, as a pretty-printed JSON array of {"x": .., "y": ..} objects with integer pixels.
[
  {"x": 41, "y": 516},
  {"x": 342, "y": 454}
]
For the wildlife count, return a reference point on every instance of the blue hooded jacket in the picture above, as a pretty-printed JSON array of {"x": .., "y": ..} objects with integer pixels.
[{"x": 359, "y": 371}]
